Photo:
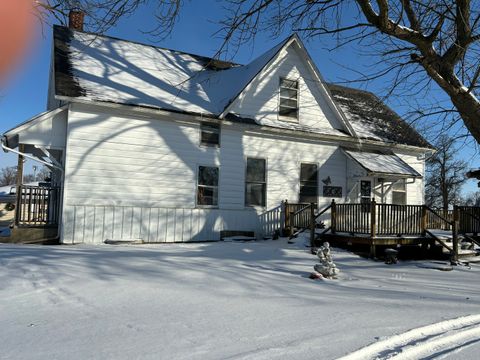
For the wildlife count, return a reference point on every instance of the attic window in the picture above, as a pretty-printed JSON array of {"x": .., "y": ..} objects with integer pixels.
[
  {"x": 210, "y": 134},
  {"x": 288, "y": 106}
]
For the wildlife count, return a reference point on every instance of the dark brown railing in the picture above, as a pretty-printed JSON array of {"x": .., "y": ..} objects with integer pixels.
[
  {"x": 468, "y": 219},
  {"x": 379, "y": 219},
  {"x": 352, "y": 218},
  {"x": 439, "y": 219},
  {"x": 386, "y": 220},
  {"x": 399, "y": 219},
  {"x": 301, "y": 217},
  {"x": 37, "y": 206}
]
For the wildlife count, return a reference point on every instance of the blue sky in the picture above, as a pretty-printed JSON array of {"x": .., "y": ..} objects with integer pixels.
[{"x": 25, "y": 94}]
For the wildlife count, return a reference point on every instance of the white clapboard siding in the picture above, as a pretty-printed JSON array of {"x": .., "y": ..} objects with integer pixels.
[
  {"x": 95, "y": 224},
  {"x": 139, "y": 181},
  {"x": 415, "y": 188},
  {"x": 260, "y": 99}
]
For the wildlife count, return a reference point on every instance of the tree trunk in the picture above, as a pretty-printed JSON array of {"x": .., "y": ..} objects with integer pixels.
[{"x": 469, "y": 109}]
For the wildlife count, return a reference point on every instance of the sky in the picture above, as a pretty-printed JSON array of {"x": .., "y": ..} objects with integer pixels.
[{"x": 24, "y": 95}]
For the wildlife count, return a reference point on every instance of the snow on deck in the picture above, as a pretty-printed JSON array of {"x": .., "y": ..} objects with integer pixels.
[{"x": 236, "y": 300}]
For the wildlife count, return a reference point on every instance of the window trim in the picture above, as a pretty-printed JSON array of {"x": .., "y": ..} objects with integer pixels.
[
  {"x": 245, "y": 183},
  {"x": 206, "y": 145},
  {"x": 300, "y": 179},
  {"x": 283, "y": 117},
  {"x": 201, "y": 206}
]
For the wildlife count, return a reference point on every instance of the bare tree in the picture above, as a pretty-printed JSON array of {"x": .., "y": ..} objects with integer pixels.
[
  {"x": 44, "y": 174},
  {"x": 103, "y": 14},
  {"x": 472, "y": 199},
  {"x": 445, "y": 175},
  {"x": 417, "y": 46},
  {"x": 8, "y": 175}
]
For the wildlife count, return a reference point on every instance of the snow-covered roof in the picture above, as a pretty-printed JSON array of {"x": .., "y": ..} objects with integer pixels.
[
  {"x": 104, "y": 69},
  {"x": 101, "y": 68},
  {"x": 372, "y": 119},
  {"x": 382, "y": 164}
]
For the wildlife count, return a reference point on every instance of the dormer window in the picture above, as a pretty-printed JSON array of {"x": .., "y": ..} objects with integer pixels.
[{"x": 288, "y": 106}]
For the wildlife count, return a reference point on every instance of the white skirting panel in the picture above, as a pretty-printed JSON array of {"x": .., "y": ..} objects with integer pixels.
[{"x": 95, "y": 224}]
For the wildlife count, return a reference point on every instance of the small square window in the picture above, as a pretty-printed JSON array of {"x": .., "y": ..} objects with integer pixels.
[
  {"x": 288, "y": 105},
  {"x": 209, "y": 134},
  {"x": 207, "y": 188}
]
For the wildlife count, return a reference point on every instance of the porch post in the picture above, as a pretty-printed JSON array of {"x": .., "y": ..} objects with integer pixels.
[
  {"x": 19, "y": 182},
  {"x": 373, "y": 227},
  {"x": 424, "y": 220},
  {"x": 373, "y": 219},
  {"x": 312, "y": 225},
  {"x": 287, "y": 217},
  {"x": 455, "y": 233},
  {"x": 333, "y": 217}
]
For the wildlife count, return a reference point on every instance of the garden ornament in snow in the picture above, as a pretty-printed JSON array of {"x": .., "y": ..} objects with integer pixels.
[{"x": 326, "y": 268}]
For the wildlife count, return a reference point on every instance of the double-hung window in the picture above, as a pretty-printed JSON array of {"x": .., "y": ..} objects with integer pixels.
[
  {"x": 288, "y": 105},
  {"x": 207, "y": 186},
  {"x": 399, "y": 192},
  {"x": 308, "y": 183},
  {"x": 255, "y": 182},
  {"x": 209, "y": 134}
]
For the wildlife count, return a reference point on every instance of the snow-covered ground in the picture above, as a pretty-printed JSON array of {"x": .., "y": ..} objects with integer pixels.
[{"x": 229, "y": 300}]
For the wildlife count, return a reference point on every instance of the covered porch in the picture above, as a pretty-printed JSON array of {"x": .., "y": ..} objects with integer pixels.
[{"x": 37, "y": 205}]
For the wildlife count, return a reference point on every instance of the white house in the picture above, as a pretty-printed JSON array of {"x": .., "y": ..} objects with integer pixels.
[{"x": 164, "y": 146}]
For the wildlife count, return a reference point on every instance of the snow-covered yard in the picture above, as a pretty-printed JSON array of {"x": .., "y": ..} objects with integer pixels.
[{"x": 227, "y": 300}]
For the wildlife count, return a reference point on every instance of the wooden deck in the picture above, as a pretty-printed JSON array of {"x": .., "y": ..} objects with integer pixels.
[{"x": 385, "y": 225}]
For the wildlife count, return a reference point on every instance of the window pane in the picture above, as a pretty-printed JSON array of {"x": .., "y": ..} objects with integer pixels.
[
  {"x": 308, "y": 172},
  {"x": 207, "y": 195},
  {"x": 289, "y": 83},
  {"x": 399, "y": 198},
  {"x": 207, "y": 176},
  {"x": 288, "y": 103},
  {"x": 288, "y": 93},
  {"x": 255, "y": 170},
  {"x": 308, "y": 194},
  {"x": 399, "y": 185},
  {"x": 210, "y": 134},
  {"x": 288, "y": 112},
  {"x": 255, "y": 194}
]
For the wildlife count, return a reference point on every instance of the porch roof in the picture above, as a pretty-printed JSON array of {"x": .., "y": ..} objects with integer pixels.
[{"x": 382, "y": 164}]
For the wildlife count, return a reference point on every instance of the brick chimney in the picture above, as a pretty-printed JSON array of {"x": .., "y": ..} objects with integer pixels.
[{"x": 75, "y": 20}]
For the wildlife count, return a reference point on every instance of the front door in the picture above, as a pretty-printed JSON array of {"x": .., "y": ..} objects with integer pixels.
[{"x": 365, "y": 194}]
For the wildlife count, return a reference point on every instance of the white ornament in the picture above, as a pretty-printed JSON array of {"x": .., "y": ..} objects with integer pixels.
[{"x": 326, "y": 267}]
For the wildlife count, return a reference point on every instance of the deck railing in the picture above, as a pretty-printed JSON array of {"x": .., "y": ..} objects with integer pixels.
[
  {"x": 468, "y": 219},
  {"x": 37, "y": 206},
  {"x": 379, "y": 219},
  {"x": 374, "y": 220},
  {"x": 439, "y": 219}
]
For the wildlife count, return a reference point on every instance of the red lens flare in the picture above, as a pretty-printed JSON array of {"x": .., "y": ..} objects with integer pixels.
[{"x": 17, "y": 26}]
